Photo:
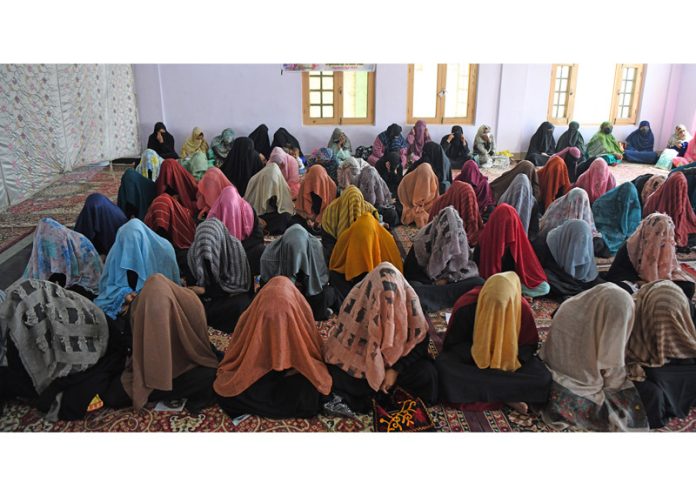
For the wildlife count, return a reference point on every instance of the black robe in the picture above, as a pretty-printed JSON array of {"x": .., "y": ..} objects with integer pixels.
[
  {"x": 165, "y": 149},
  {"x": 261, "y": 142},
  {"x": 542, "y": 142},
  {"x": 241, "y": 163},
  {"x": 283, "y": 139}
]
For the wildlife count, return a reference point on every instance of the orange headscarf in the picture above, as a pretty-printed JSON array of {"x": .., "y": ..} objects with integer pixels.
[
  {"x": 553, "y": 178},
  {"x": 316, "y": 181},
  {"x": 417, "y": 192}
]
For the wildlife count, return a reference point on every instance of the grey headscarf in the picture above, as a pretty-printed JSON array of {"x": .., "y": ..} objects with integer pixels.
[
  {"x": 442, "y": 249},
  {"x": 373, "y": 187},
  {"x": 296, "y": 251},
  {"x": 228, "y": 263},
  {"x": 349, "y": 171},
  {"x": 333, "y": 142},
  {"x": 571, "y": 246},
  {"x": 519, "y": 196}
]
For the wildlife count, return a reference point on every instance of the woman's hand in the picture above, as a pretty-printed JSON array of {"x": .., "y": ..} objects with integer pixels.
[
  {"x": 441, "y": 282},
  {"x": 618, "y": 156},
  {"x": 390, "y": 376},
  {"x": 130, "y": 297},
  {"x": 200, "y": 291},
  {"x": 450, "y": 137}
]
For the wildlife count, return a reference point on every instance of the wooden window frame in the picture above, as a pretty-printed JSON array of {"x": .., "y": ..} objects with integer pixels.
[
  {"x": 441, "y": 95},
  {"x": 570, "y": 103},
  {"x": 637, "y": 94},
  {"x": 338, "y": 118}
]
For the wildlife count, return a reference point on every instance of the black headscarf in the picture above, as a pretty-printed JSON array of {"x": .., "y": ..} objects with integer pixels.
[
  {"x": 571, "y": 137},
  {"x": 542, "y": 142},
  {"x": 391, "y": 177},
  {"x": 434, "y": 155},
  {"x": 455, "y": 149},
  {"x": 260, "y": 138},
  {"x": 166, "y": 149},
  {"x": 284, "y": 139},
  {"x": 241, "y": 163}
]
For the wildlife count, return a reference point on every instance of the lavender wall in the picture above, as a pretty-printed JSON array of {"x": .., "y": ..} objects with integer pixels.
[{"x": 685, "y": 106}]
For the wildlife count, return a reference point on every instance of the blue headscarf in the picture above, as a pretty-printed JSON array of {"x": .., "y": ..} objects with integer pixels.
[
  {"x": 99, "y": 221},
  {"x": 139, "y": 249},
  {"x": 571, "y": 246},
  {"x": 639, "y": 141},
  {"x": 392, "y": 139},
  {"x": 617, "y": 214},
  {"x": 137, "y": 191}
]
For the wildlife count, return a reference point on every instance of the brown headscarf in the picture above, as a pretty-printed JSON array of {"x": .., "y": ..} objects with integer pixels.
[
  {"x": 316, "y": 181},
  {"x": 417, "y": 192},
  {"x": 553, "y": 179},
  {"x": 650, "y": 187},
  {"x": 502, "y": 183}
]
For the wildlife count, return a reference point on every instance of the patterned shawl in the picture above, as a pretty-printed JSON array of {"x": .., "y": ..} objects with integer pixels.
[
  {"x": 194, "y": 143},
  {"x": 553, "y": 179},
  {"x": 349, "y": 171},
  {"x": 372, "y": 186},
  {"x": 316, "y": 181},
  {"x": 333, "y": 141},
  {"x": 596, "y": 180},
  {"x": 136, "y": 191},
  {"x": 571, "y": 247},
  {"x": 573, "y": 205},
  {"x": 99, "y": 220},
  {"x": 519, "y": 195},
  {"x": 344, "y": 210},
  {"x": 462, "y": 197},
  {"x": 197, "y": 165},
  {"x": 288, "y": 167},
  {"x": 617, "y": 214},
  {"x": 502, "y": 183},
  {"x": 235, "y": 212},
  {"x": 222, "y": 145},
  {"x": 681, "y": 134},
  {"x": 209, "y": 188},
  {"x": 417, "y": 192},
  {"x": 169, "y": 216},
  {"x": 650, "y": 186},
  {"x": 264, "y": 185},
  {"x": 471, "y": 174},
  {"x": 672, "y": 198},
  {"x": 149, "y": 161},
  {"x": 176, "y": 180}
]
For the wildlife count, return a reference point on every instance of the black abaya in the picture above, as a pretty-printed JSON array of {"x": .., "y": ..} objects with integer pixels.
[
  {"x": 165, "y": 149},
  {"x": 241, "y": 163},
  {"x": 542, "y": 145},
  {"x": 261, "y": 142}
]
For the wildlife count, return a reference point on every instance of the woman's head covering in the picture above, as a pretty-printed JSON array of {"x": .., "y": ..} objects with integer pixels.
[
  {"x": 235, "y": 212},
  {"x": 170, "y": 219},
  {"x": 442, "y": 250},
  {"x": 333, "y": 141},
  {"x": 571, "y": 138},
  {"x": 502, "y": 232},
  {"x": 265, "y": 184},
  {"x": 417, "y": 192},
  {"x": 349, "y": 171},
  {"x": 149, "y": 161},
  {"x": 471, "y": 174},
  {"x": 218, "y": 258},
  {"x": 222, "y": 144},
  {"x": 197, "y": 165},
  {"x": 372, "y": 186},
  {"x": 99, "y": 220},
  {"x": 642, "y": 139},
  {"x": 344, "y": 210},
  {"x": 316, "y": 181},
  {"x": 596, "y": 180},
  {"x": 681, "y": 134},
  {"x": 289, "y": 167},
  {"x": 542, "y": 140},
  {"x": 380, "y": 321},
  {"x": 261, "y": 142},
  {"x": 176, "y": 180},
  {"x": 502, "y": 183},
  {"x": 241, "y": 163},
  {"x": 283, "y": 139},
  {"x": 483, "y": 131},
  {"x": 435, "y": 155},
  {"x": 571, "y": 247},
  {"x": 617, "y": 214},
  {"x": 296, "y": 253},
  {"x": 462, "y": 197},
  {"x": 672, "y": 198},
  {"x": 195, "y": 143},
  {"x": 519, "y": 195},
  {"x": 164, "y": 149},
  {"x": 418, "y": 137},
  {"x": 135, "y": 194},
  {"x": 553, "y": 179},
  {"x": 170, "y": 337},
  {"x": 209, "y": 188},
  {"x": 363, "y": 246},
  {"x": 650, "y": 186},
  {"x": 59, "y": 250},
  {"x": 139, "y": 249},
  {"x": 392, "y": 139},
  {"x": 603, "y": 142}
]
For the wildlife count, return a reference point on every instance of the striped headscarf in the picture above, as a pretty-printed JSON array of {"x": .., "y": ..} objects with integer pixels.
[
  {"x": 173, "y": 219},
  {"x": 344, "y": 210}
]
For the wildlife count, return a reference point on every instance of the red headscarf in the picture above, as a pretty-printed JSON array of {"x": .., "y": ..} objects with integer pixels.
[
  {"x": 471, "y": 174},
  {"x": 176, "y": 220},
  {"x": 172, "y": 175},
  {"x": 463, "y": 198},
  {"x": 672, "y": 198},
  {"x": 553, "y": 178},
  {"x": 596, "y": 180},
  {"x": 209, "y": 188}
]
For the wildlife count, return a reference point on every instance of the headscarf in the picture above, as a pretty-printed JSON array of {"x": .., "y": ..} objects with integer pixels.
[
  {"x": 295, "y": 252},
  {"x": 363, "y": 246},
  {"x": 235, "y": 212},
  {"x": 643, "y": 142},
  {"x": 194, "y": 143},
  {"x": 209, "y": 188},
  {"x": 380, "y": 322},
  {"x": 164, "y": 149},
  {"x": 272, "y": 336},
  {"x": 461, "y": 196},
  {"x": 504, "y": 231},
  {"x": 349, "y": 171},
  {"x": 197, "y": 165},
  {"x": 650, "y": 186},
  {"x": 137, "y": 191},
  {"x": 218, "y": 258},
  {"x": 344, "y": 210},
  {"x": 289, "y": 167},
  {"x": 596, "y": 180},
  {"x": 571, "y": 138},
  {"x": 261, "y": 142},
  {"x": 617, "y": 215},
  {"x": 265, "y": 184},
  {"x": 417, "y": 192},
  {"x": 689, "y": 155},
  {"x": 553, "y": 179},
  {"x": 372, "y": 186},
  {"x": 442, "y": 250},
  {"x": 603, "y": 143},
  {"x": 571, "y": 247},
  {"x": 417, "y": 137},
  {"x": 316, "y": 181},
  {"x": 222, "y": 145},
  {"x": 573, "y": 205},
  {"x": 149, "y": 161},
  {"x": 675, "y": 140},
  {"x": 170, "y": 337},
  {"x": 519, "y": 195},
  {"x": 435, "y": 155},
  {"x": 500, "y": 184},
  {"x": 169, "y": 216},
  {"x": 333, "y": 141},
  {"x": 59, "y": 250},
  {"x": 283, "y": 139},
  {"x": 457, "y": 149},
  {"x": 241, "y": 163},
  {"x": 139, "y": 249},
  {"x": 480, "y": 144},
  {"x": 672, "y": 198},
  {"x": 542, "y": 141},
  {"x": 99, "y": 220},
  {"x": 471, "y": 174},
  {"x": 174, "y": 179},
  {"x": 392, "y": 139}
]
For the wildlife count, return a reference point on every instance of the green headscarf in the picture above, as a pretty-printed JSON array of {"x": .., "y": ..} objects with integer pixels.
[
  {"x": 197, "y": 165},
  {"x": 603, "y": 143}
]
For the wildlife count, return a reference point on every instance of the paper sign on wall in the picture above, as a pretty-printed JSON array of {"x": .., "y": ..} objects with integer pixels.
[{"x": 329, "y": 67}]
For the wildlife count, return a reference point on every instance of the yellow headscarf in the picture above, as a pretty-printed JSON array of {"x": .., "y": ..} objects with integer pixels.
[
  {"x": 497, "y": 323},
  {"x": 344, "y": 210},
  {"x": 194, "y": 144}
]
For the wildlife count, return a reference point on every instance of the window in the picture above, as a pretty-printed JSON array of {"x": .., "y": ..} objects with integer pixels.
[
  {"x": 338, "y": 97},
  {"x": 442, "y": 93},
  {"x": 628, "y": 85},
  {"x": 562, "y": 94}
]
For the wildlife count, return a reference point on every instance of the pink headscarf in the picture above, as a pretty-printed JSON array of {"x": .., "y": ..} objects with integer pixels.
[
  {"x": 573, "y": 150},
  {"x": 689, "y": 155},
  {"x": 417, "y": 138},
  {"x": 289, "y": 167},
  {"x": 209, "y": 188},
  {"x": 471, "y": 174},
  {"x": 596, "y": 180},
  {"x": 234, "y": 212}
]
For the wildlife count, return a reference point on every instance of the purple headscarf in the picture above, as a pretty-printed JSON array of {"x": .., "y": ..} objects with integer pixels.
[{"x": 471, "y": 174}]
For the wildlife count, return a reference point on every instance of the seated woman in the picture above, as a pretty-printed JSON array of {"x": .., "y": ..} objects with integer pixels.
[
  {"x": 162, "y": 142},
  {"x": 597, "y": 180},
  {"x": 349, "y": 171},
  {"x": 325, "y": 158},
  {"x": 390, "y": 169},
  {"x": 567, "y": 255},
  {"x": 149, "y": 165},
  {"x": 553, "y": 181},
  {"x": 640, "y": 145},
  {"x": 179, "y": 183},
  {"x": 672, "y": 198},
  {"x": 268, "y": 193},
  {"x": 571, "y": 156},
  {"x": 462, "y": 197},
  {"x": 434, "y": 155},
  {"x": 387, "y": 141},
  {"x": 500, "y": 184},
  {"x": 416, "y": 139},
  {"x": 65, "y": 257},
  {"x": 262, "y": 144},
  {"x": 135, "y": 194},
  {"x": 340, "y": 215},
  {"x": 241, "y": 222},
  {"x": 679, "y": 141},
  {"x": 661, "y": 352},
  {"x": 542, "y": 145},
  {"x": 603, "y": 144},
  {"x": 208, "y": 190},
  {"x": 99, "y": 220},
  {"x": 489, "y": 352},
  {"x": 197, "y": 164},
  {"x": 417, "y": 193},
  {"x": 298, "y": 256},
  {"x": 381, "y": 340},
  {"x": 519, "y": 196},
  {"x": 316, "y": 192},
  {"x": 174, "y": 222},
  {"x": 503, "y": 246},
  {"x": 455, "y": 146},
  {"x": 273, "y": 365},
  {"x": 438, "y": 265},
  {"x": 172, "y": 356},
  {"x": 222, "y": 145},
  {"x": 484, "y": 146},
  {"x": 288, "y": 167},
  {"x": 195, "y": 143},
  {"x": 220, "y": 274},
  {"x": 649, "y": 255},
  {"x": 585, "y": 352},
  {"x": 376, "y": 192},
  {"x": 286, "y": 141},
  {"x": 617, "y": 214},
  {"x": 340, "y": 145},
  {"x": 572, "y": 138},
  {"x": 471, "y": 174},
  {"x": 359, "y": 249},
  {"x": 646, "y": 185}
]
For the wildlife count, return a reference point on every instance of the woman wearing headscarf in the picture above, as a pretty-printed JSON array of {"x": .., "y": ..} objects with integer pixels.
[
  {"x": 679, "y": 141},
  {"x": 220, "y": 274},
  {"x": 376, "y": 192},
  {"x": 171, "y": 220},
  {"x": 208, "y": 190},
  {"x": 455, "y": 146},
  {"x": 689, "y": 156},
  {"x": 268, "y": 193},
  {"x": 389, "y": 140},
  {"x": 542, "y": 145},
  {"x": 289, "y": 167},
  {"x": 273, "y": 365},
  {"x": 617, "y": 214},
  {"x": 500, "y": 184},
  {"x": 340, "y": 215},
  {"x": 149, "y": 164},
  {"x": 340, "y": 145},
  {"x": 135, "y": 194},
  {"x": 640, "y": 145},
  {"x": 489, "y": 352},
  {"x": 503, "y": 246},
  {"x": 349, "y": 171},
  {"x": 241, "y": 163},
  {"x": 222, "y": 145},
  {"x": 326, "y": 158},
  {"x": 484, "y": 146},
  {"x": 316, "y": 192},
  {"x": 99, "y": 220},
  {"x": 416, "y": 139},
  {"x": 661, "y": 352},
  {"x": 462, "y": 197},
  {"x": 604, "y": 144},
  {"x": 647, "y": 184},
  {"x": 596, "y": 180},
  {"x": 262, "y": 144},
  {"x": 585, "y": 352},
  {"x": 390, "y": 168},
  {"x": 433, "y": 154},
  {"x": 381, "y": 341},
  {"x": 283, "y": 139},
  {"x": 179, "y": 183},
  {"x": 672, "y": 198},
  {"x": 197, "y": 165},
  {"x": 438, "y": 265},
  {"x": 162, "y": 142},
  {"x": 553, "y": 181},
  {"x": 519, "y": 196},
  {"x": 571, "y": 156},
  {"x": 572, "y": 138},
  {"x": 417, "y": 193},
  {"x": 471, "y": 174},
  {"x": 298, "y": 256},
  {"x": 195, "y": 143}
]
